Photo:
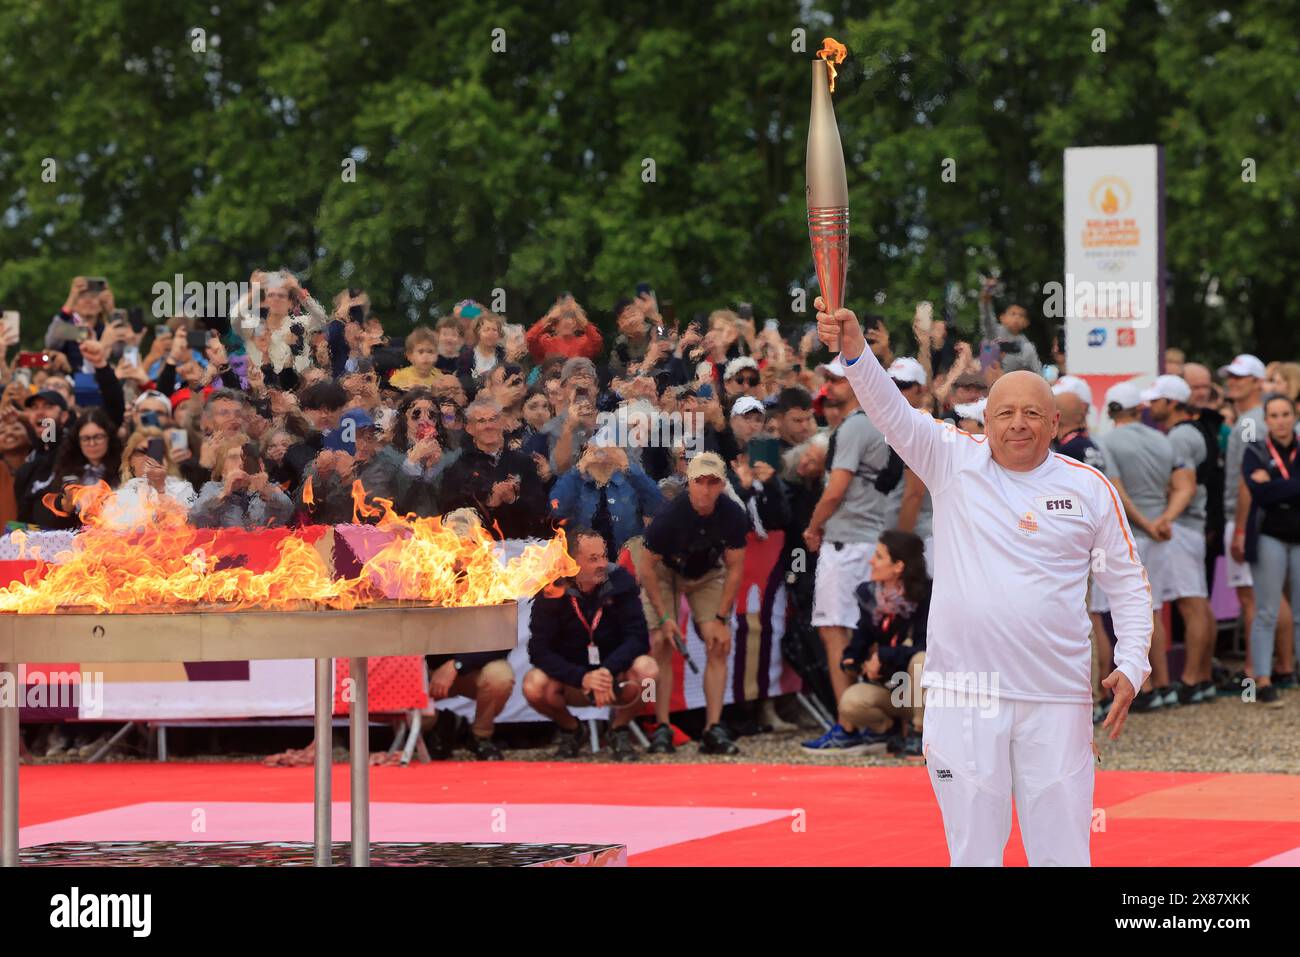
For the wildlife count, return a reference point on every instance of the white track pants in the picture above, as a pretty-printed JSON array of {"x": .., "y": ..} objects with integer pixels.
[{"x": 1041, "y": 753}]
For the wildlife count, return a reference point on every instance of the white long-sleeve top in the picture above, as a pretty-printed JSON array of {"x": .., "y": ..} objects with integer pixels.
[{"x": 1012, "y": 556}]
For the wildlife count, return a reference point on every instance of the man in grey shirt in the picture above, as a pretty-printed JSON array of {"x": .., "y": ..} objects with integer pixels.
[
  {"x": 1170, "y": 400},
  {"x": 846, "y": 522},
  {"x": 1139, "y": 462},
  {"x": 1244, "y": 387}
]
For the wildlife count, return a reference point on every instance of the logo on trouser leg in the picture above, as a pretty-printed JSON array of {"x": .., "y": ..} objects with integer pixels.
[{"x": 943, "y": 774}]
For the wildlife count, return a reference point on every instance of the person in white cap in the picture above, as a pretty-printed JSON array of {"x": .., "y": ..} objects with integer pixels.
[
  {"x": 742, "y": 378},
  {"x": 1017, "y": 529},
  {"x": 846, "y": 522},
  {"x": 970, "y": 416},
  {"x": 1169, "y": 400},
  {"x": 1244, "y": 388},
  {"x": 1074, "y": 402},
  {"x": 1140, "y": 462}
]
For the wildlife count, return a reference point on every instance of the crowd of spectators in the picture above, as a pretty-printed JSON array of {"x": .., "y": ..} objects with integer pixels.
[{"x": 661, "y": 451}]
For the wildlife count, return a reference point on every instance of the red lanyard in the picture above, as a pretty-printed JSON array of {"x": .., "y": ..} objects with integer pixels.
[
  {"x": 1281, "y": 463},
  {"x": 591, "y": 628},
  {"x": 1069, "y": 438}
]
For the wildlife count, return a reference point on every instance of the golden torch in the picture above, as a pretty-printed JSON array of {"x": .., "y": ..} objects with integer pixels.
[{"x": 827, "y": 186}]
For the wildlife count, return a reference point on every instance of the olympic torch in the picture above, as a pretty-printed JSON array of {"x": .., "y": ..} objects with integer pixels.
[{"x": 827, "y": 183}]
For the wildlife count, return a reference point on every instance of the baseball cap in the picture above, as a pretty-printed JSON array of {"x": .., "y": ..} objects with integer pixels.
[
  {"x": 1168, "y": 387},
  {"x": 833, "y": 368},
  {"x": 970, "y": 380},
  {"x": 46, "y": 395},
  {"x": 906, "y": 369},
  {"x": 745, "y": 405},
  {"x": 359, "y": 418},
  {"x": 150, "y": 395},
  {"x": 1074, "y": 386},
  {"x": 706, "y": 463},
  {"x": 972, "y": 410},
  {"x": 735, "y": 365},
  {"x": 1125, "y": 395},
  {"x": 1245, "y": 366}
]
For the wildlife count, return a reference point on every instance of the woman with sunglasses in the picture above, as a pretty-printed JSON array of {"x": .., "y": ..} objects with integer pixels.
[
  {"x": 409, "y": 469},
  {"x": 1271, "y": 469}
]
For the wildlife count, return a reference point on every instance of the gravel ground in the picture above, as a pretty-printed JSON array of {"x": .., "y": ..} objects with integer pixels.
[{"x": 1224, "y": 736}]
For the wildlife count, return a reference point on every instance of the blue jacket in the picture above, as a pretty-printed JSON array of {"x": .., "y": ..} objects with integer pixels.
[{"x": 633, "y": 497}]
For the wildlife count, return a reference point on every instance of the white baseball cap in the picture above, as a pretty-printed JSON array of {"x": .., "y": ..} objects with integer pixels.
[
  {"x": 745, "y": 405},
  {"x": 735, "y": 365},
  {"x": 833, "y": 368},
  {"x": 1124, "y": 394},
  {"x": 1074, "y": 386},
  {"x": 972, "y": 410},
  {"x": 906, "y": 369},
  {"x": 1246, "y": 366},
  {"x": 1170, "y": 387}
]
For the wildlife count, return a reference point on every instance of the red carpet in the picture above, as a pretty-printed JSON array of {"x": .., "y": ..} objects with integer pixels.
[{"x": 835, "y": 816}]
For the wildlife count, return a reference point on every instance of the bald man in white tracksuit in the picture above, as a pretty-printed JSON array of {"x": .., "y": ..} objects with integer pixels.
[{"x": 1017, "y": 530}]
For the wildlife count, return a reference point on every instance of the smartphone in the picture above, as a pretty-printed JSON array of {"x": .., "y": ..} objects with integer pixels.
[
  {"x": 32, "y": 360},
  {"x": 135, "y": 316},
  {"x": 705, "y": 392},
  {"x": 252, "y": 458},
  {"x": 117, "y": 317},
  {"x": 10, "y": 325},
  {"x": 772, "y": 325},
  {"x": 745, "y": 310},
  {"x": 765, "y": 449},
  {"x": 356, "y": 313},
  {"x": 925, "y": 316},
  {"x": 151, "y": 419},
  {"x": 180, "y": 440},
  {"x": 669, "y": 311},
  {"x": 990, "y": 354},
  {"x": 96, "y": 284},
  {"x": 156, "y": 449},
  {"x": 644, "y": 289}
]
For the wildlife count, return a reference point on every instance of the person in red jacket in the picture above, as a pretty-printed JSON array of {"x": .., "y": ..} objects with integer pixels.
[{"x": 564, "y": 331}]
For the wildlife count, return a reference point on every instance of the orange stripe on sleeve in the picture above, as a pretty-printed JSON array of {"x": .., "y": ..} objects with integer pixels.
[{"x": 1119, "y": 515}]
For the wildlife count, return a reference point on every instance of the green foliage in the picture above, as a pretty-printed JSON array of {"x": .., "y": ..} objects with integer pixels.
[{"x": 522, "y": 169}]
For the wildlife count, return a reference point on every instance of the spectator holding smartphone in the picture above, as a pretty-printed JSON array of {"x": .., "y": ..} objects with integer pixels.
[
  {"x": 150, "y": 478},
  {"x": 88, "y": 306},
  {"x": 564, "y": 331},
  {"x": 240, "y": 494}
]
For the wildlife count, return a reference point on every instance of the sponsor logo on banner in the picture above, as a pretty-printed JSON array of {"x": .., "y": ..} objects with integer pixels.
[
  {"x": 1125, "y": 337},
  {"x": 1096, "y": 337},
  {"x": 1110, "y": 197}
]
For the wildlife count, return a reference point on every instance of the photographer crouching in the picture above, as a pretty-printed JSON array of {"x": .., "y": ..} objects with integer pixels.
[{"x": 590, "y": 646}]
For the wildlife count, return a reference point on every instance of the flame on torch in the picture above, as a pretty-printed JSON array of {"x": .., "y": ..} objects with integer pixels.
[{"x": 832, "y": 52}]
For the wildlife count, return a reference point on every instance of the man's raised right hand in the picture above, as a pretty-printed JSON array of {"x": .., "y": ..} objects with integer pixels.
[{"x": 840, "y": 331}]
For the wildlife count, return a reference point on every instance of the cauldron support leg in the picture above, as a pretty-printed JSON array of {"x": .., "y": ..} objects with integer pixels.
[
  {"x": 360, "y": 728},
  {"x": 324, "y": 842},
  {"x": 9, "y": 770}
]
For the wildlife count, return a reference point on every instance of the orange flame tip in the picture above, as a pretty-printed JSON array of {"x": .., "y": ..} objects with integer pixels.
[{"x": 833, "y": 52}]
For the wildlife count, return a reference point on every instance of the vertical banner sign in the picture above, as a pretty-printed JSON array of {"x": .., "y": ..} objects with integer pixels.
[{"x": 1112, "y": 298}]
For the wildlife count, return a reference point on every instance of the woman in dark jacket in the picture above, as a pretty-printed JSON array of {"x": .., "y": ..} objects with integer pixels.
[
  {"x": 887, "y": 650},
  {"x": 1271, "y": 469},
  {"x": 90, "y": 453}
]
